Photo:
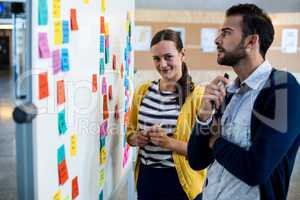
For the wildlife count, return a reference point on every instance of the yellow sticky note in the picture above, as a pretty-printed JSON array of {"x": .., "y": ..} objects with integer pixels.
[
  {"x": 56, "y": 8},
  {"x": 106, "y": 28},
  {"x": 57, "y": 32},
  {"x": 103, "y": 5},
  {"x": 101, "y": 177},
  {"x": 73, "y": 146},
  {"x": 103, "y": 156},
  {"x": 86, "y": 1},
  {"x": 57, "y": 195}
]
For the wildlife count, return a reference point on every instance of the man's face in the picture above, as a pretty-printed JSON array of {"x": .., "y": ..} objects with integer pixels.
[{"x": 230, "y": 42}]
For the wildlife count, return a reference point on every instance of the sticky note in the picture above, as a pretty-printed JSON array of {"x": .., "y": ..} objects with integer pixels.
[
  {"x": 63, "y": 172},
  {"x": 126, "y": 117},
  {"x": 102, "y": 43},
  {"x": 65, "y": 60},
  {"x": 86, "y": 1},
  {"x": 102, "y": 24},
  {"x": 101, "y": 195},
  {"x": 60, "y": 154},
  {"x": 103, "y": 156},
  {"x": 103, "y": 5},
  {"x": 110, "y": 94},
  {"x": 103, "y": 128},
  {"x": 43, "y": 85},
  {"x": 73, "y": 146},
  {"x": 62, "y": 126},
  {"x": 102, "y": 141},
  {"x": 106, "y": 29},
  {"x": 94, "y": 83},
  {"x": 56, "y": 9},
  {"x": 74, "y": 24},
  {"x": 122, "y": 70},
  {"x": 101, "y": 177},
  {"x": 44, "y": 51},
  {"x": 75, "y": 190},
  {"x": 57, "y": 32},
  {"x": 60, "y": 92},
  {"x": 105, "y": 107},
  {"x": 117, "y": 115},
  {"x": 56, "y": 61},
  {"x": 114, "y": 62},
  {"x": 102, "y": 69},
  {"x": 106, "y": 55},
  {"x": 104, "y": 86},
  {"x": 57, "y": 195},
  {"x": 66, "y": 31},
  {"x": 43, "y": 12}
]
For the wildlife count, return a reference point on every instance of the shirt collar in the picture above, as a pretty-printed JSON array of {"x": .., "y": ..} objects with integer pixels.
[{"x": 254, "y": 81}]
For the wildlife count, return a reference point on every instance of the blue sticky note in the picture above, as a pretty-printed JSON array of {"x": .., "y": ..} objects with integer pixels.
[
  {"x": 102, "y": 142},
  {"x": 66, "y": 31},
  {"x": 60, "y": 154},
  {"x": 101, "y": 195},
  {"x": 65, "y": 60},
  {"x": 101, "y": 66},
  {"x": 62, "y": 127},
  {"x": 42, "y": 12},
  {"x": 102, "y": 43}
]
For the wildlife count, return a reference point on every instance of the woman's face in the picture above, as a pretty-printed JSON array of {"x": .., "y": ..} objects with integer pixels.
[{"x": 167, "y": 60}]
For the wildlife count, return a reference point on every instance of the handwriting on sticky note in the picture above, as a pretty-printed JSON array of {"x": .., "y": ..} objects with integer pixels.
[
  {"x": 62, "y": 126},
  {"x": 57, "y": 195},
  {"x": 44, "y": 51},
  {"x": 74, "y": 23},
  {"x": 103, "y": 156},
  {"x": 75, "y": 189},
  {"x": 43, "y": 85},
  {"x": 94, "y": 83},
  {"x": 63, "y": 172},
  {"x": 101, "y": 177},
  {"x": 56, "y": 61},
  {"x": 57, "y": 32},
  {"x": 73, "y": 146},
  {"x": 43, "y": 12},
  {"x": 65, "y": 60},
  {"x": 66, "y": 31},
  {"x": 56, "y": 9},
  {"x": 60, "y": 92}
]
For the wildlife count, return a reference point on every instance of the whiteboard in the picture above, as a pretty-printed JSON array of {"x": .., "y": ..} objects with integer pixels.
[{"x": 83, "y": 107}]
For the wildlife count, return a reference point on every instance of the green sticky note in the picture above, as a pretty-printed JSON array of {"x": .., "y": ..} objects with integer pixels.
[
  {"x": 62, "y": 127},
  {"x": 101, "y": 66},
  {"x": 101, "y": 195},
  {"x": 42, "y": 12},
  {"x": 106, "y": 55},
  {"x": 60, "y": 154}
]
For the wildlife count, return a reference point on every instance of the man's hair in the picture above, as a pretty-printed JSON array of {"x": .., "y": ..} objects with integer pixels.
[{"x": 255, "y": 21}]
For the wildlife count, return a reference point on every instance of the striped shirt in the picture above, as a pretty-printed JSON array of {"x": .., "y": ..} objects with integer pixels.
[{"x": 158, "y": 107}]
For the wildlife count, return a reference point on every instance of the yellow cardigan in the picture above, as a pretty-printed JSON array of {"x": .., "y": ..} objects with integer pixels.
[{"x": 191, "y": 180}]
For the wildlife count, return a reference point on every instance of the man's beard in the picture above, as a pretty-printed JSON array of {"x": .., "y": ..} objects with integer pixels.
[{"x": 232, "y": 58}]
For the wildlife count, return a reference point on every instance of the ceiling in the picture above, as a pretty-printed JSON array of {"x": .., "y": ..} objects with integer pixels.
[{"x": 218, "y": 5}]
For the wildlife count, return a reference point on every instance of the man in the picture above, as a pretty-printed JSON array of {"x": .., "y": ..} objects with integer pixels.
[{"x": 250, "y": 154}]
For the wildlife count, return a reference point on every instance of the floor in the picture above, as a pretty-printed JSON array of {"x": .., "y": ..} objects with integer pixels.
[{"x": 8, "y": 152}]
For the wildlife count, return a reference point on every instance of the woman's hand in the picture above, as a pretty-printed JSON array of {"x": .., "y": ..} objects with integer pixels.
[
  {"x": 158, "y": 136},
  {"x": 139, "y": 139}
]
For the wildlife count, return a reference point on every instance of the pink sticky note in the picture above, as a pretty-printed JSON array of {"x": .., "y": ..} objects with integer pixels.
[
  {"x": 56, "y": 61},
  {"x": 44, "y": 51},
  {"x": 103, "y": 128},
  {"x": 104, "y": 86}
]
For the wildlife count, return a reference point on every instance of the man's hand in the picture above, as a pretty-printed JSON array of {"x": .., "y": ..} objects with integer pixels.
[{"x": 213, "y": 98}]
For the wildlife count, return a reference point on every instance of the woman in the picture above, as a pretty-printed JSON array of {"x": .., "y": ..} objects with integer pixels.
[{"x": 162, "y": 115}]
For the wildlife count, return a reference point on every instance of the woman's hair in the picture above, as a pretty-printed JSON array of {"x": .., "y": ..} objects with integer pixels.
[{"x": 184, "y": 85}]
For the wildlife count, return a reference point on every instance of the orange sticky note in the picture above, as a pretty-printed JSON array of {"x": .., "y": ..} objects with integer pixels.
[
  {"x": 117, "y": 115},
  {"x": 126, "y": 117},
  {"x": 74, "y": 24},
  {"x": 105, "y": 107},
  {"x": 110, "y": 94},
  {"x": 75, "y": 190},
  {"x": 94, "y": 82},
  {"x": 102, "y": 24},
  {"x": 63, "y": 172},
  {"x": 43, "y": 85},
  {"x": 122, "y": 70},
  {"x": 60, "y": 92}
]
